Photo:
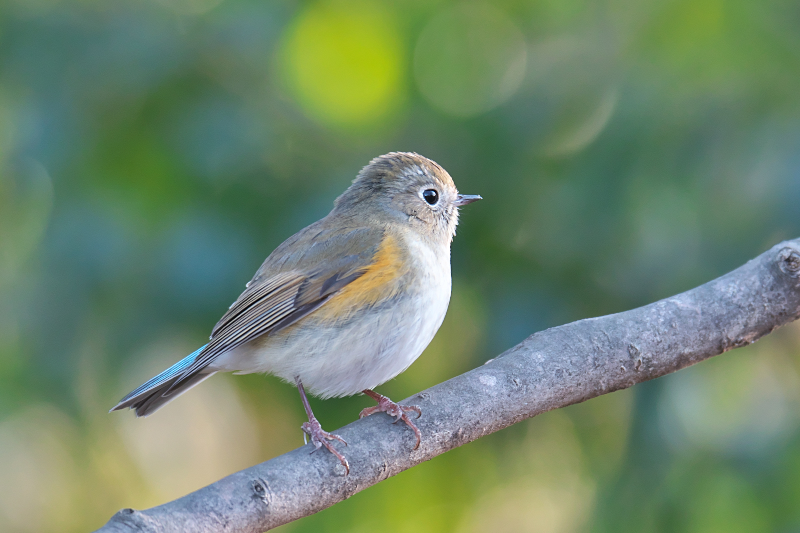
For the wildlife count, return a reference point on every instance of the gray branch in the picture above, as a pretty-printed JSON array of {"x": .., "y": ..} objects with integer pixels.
[{"x": 550, "y": 369}]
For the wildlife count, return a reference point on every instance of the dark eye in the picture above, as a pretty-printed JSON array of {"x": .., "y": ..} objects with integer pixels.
[{"x": 431, "y": 196}]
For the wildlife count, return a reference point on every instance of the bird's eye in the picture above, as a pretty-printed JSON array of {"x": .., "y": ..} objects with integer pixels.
[{"x": 431, "y": 196}]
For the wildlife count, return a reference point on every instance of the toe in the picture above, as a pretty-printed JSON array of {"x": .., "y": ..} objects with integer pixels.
[
  {"x": 332, "y": 436},
  {"x": 339, "y": 456},
  {"x": 368, "y": 411},
  {"x": 412, "y": 408},
  {"x": 414, "y": 427}
]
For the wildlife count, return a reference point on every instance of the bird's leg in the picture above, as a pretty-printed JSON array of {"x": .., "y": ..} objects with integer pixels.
[
  {"x": 319, "y": 437},
  {"x": 385, "y": 405}
]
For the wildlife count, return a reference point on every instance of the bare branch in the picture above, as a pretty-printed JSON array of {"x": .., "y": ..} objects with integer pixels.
[{"x": 550, "y": 369}]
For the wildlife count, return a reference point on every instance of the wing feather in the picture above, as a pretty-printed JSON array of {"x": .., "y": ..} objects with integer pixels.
[
  {"x": 249, "y": 297},
  {"x": 276, "y": 300},
  {"x": 257, "y": 320}
]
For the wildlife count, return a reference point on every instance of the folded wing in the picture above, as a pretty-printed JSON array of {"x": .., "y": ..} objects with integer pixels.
[{"x": 273, "y": 302}]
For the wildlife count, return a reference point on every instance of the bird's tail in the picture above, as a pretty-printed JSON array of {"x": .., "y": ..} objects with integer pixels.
[{"x": 155, "y": 393}]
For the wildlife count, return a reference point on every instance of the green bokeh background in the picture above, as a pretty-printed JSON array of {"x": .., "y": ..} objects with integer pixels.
[{"x": 153, "y": 152}]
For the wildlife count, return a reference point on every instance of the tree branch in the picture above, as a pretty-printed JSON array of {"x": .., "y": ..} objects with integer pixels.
[{"x": 550, "y": 369}]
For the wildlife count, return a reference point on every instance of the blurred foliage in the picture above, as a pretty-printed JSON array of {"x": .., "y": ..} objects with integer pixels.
[{"x": 153, "y": 152}]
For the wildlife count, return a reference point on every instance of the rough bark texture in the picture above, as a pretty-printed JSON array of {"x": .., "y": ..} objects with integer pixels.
[{"x": 550, "y": 369}]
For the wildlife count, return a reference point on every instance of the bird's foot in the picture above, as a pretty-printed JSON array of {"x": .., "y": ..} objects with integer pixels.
[
  {"x": 385, "y": 405},
  {"x": 320, "y": 438}
]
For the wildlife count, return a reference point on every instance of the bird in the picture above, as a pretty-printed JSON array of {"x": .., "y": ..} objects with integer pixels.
[{"x": 344, "y": 305}]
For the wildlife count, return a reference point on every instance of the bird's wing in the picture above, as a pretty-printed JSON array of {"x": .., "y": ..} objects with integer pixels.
[{"x": 288, "y": 287}]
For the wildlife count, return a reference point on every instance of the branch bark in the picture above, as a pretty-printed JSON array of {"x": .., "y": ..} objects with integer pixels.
[{"x": 550, "y": 369}]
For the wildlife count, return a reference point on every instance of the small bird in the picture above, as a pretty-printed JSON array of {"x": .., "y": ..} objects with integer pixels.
[{"x": 344, "y": 305}]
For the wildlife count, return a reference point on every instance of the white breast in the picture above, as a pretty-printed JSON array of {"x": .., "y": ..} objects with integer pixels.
[{"x": 432, "y": 296}]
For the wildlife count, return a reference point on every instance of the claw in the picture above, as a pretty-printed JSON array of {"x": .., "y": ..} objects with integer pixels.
[
  {"x": 385, "y": 405},
  {"x": 320, "y": 438}
]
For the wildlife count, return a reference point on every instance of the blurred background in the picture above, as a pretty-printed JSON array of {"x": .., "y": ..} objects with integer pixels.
[{"x": 153, "y": 152}]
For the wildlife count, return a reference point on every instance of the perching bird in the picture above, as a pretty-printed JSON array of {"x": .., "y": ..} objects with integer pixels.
[{"x": 345, "y": 304}]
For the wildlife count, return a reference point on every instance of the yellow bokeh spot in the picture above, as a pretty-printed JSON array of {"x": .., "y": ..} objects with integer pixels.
[{"x": 344, "y": 62}]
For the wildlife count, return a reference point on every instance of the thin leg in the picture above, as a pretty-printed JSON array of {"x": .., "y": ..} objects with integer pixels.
[
  {"x": 385, "y": 405},
  {"x": 319, "y": 438}
]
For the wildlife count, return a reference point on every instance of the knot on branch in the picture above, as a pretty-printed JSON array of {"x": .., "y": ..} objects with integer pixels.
[
  {"x": 131, "y": 520},
  {"x": 789, "y": 261},
  {"x": 260, "y": 490}
]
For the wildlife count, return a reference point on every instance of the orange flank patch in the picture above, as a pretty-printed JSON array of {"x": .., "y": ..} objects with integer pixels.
[{"x": 378, "y": 283}]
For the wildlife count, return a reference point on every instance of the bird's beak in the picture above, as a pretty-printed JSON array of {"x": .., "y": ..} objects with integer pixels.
[{"x": 464, "y": 199}]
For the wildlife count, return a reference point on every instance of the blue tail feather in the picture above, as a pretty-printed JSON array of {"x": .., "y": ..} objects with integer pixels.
[{"x": 142, "y": 396}]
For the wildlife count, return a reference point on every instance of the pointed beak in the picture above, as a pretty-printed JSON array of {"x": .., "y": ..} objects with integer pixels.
[{"x": 464, "y": 199}]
